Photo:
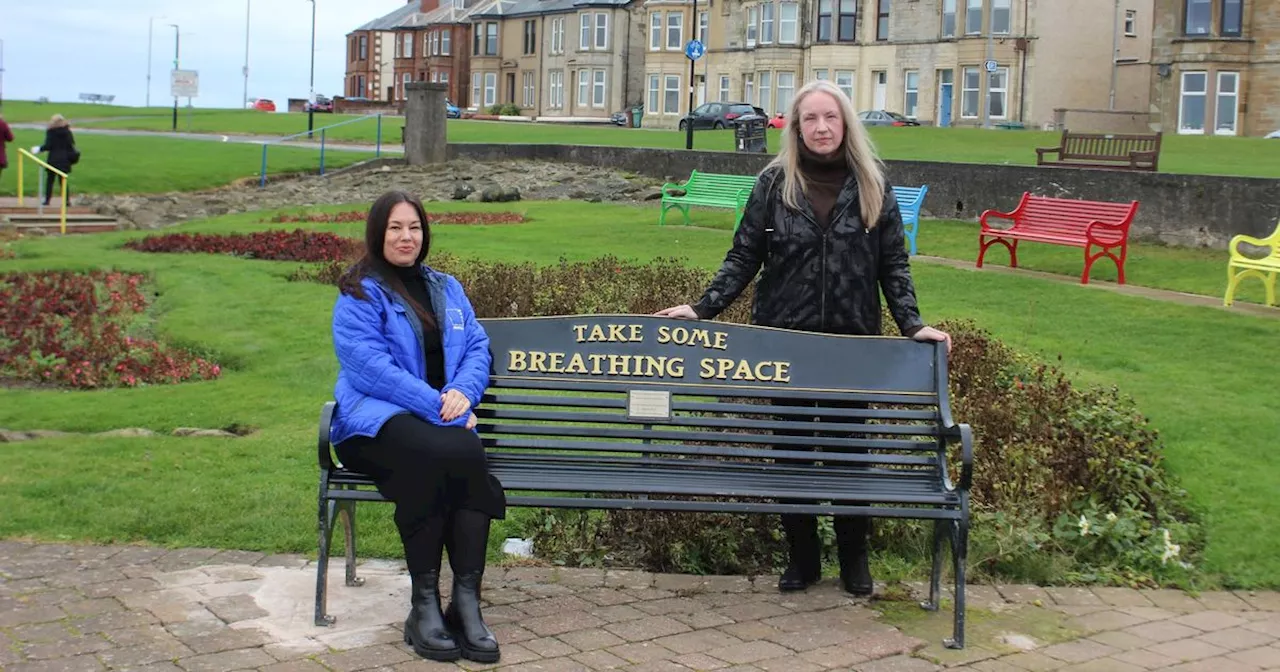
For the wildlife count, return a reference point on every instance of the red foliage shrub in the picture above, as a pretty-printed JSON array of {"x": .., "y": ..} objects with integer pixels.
[
  {"x": 463, "y": 218},
  {"x": 74, "y": 330},
  {"x": 296, "y": 245}
]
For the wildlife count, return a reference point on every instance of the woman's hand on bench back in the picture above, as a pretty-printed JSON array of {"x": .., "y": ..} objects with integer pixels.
[{"x": 684, "y": 312}]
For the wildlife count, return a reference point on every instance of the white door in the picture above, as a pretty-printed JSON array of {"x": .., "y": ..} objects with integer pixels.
[
  {"x": 702, "y": 89},
  {"x": 882, "y": 88}
]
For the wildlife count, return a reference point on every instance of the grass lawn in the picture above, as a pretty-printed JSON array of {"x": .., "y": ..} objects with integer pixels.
[
  {"x": 1193, "y": 371},
  {"x": 252, "y": 122},
  {"x": 114, "y": 165},
  {"x": 22, "y": 111}
]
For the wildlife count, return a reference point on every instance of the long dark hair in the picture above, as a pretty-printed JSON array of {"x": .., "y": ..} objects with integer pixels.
[{"x": 373, "y": 263}]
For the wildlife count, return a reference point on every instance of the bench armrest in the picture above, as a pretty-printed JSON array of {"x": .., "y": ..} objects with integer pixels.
[
  {"x": 322, "y": 440},
  {"x": 743, "y": 195},
  {"x": 1041, "y": 151},
  {"x": 1272, "y": 241},
  {"x": 1122, "y": 227},
  {"x": 982, "y": 219},
  {"x": 963, "y": 433}
]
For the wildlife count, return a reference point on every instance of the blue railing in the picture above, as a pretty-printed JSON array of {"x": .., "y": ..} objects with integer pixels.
[{"x": 262, "y": 182}]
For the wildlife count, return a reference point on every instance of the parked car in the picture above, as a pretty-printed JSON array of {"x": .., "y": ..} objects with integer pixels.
[
  {"x": 718, "y": 115},
  {"x": 778, "y": 121},
  {"x": 322, "y": 104},
  {"x": 1273, "y": 135},
  {"x": 264, "y": 105},
  {"x": 451, "y": 111},
  {"x": 618, "y": 118},
  {"x": 885, "y": 118}
]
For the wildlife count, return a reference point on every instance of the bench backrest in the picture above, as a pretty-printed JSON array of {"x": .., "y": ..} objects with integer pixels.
[
  {"x": 1069, "y": 215},
  {"x": 718, "y": 184},
  {"x": 1108, "y": 146},
  {"x": 625, "y": 387},
  {"x": 908, "y": 197}
]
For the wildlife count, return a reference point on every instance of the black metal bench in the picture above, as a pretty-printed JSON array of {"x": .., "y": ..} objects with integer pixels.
[{"x": 597, "y": 412}]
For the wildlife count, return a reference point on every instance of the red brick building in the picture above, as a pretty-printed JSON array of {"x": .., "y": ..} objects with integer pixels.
[{"x": 422, "y": 41}]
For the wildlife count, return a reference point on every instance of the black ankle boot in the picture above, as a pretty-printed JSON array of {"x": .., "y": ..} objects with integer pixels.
[
  {"x": 804, "y": 548},
  {"x": 855, "y": 567},
  {"x": 425, "y": 629},
  {"x": 466, "y": 623}
]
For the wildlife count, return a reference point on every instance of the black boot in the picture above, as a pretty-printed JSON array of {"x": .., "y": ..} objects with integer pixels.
[
  {"x": 804, "y": 564},
  {"x": 425, "y": 629},
  {"x": 851, "y": 543},
  {"x": 464, "y": 619}
]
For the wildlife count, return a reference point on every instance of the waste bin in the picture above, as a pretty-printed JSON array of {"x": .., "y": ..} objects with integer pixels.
[
  {"x": 637, "y": 113},
  {"x": 749, "y": 132}
]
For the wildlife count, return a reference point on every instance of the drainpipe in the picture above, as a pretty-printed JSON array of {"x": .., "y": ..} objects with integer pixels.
[
  {"x": 626, "y": 67},
  {"x": 1115, "y": 47},
  {"x": 1022, "y": 70},
  {"x": 542, "y": 70}
]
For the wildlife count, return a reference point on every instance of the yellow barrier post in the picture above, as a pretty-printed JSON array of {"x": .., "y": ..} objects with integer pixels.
[{"x": 22, "y": 153}]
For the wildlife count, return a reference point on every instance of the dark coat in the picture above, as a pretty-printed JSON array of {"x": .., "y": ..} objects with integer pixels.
[
  {"x": 59, "y": 143},
  {"x": 6, "y": 135},
  {"x": 814, "y": 279}
]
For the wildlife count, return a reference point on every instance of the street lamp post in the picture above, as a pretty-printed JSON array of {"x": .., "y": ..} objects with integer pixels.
[
  {"x": 1, "y": 73},
  {"x": 245, "y": 98},
  {"x": 311, "y": 97},
  {"x": 176, "y": 52}
]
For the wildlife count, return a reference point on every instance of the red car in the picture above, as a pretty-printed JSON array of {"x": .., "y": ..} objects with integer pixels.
[
  {"x": 778, "y": 121},
  {"x": 264, "y": 104}
]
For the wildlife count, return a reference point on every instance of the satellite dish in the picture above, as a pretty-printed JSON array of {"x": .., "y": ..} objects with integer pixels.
[{"x": 1164, "y": 70}]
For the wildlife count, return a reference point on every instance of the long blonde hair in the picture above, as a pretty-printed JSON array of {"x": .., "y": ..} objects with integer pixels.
[
  {"x": 858, "y": 148},
  {"x": 58, "y": 121}
]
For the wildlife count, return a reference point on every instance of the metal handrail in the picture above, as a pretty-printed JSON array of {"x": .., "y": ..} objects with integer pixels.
[
  {"x": 24, "y": 154},
  {"x": 262, "y": 180}
]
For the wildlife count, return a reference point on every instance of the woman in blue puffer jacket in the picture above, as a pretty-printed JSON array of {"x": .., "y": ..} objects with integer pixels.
[{"x": 413, "y": 363}]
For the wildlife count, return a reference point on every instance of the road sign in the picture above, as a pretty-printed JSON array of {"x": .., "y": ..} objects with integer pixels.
[
  {"x": 184, "y": 83},
  {"x": 694, "y": 50},
  {"x": 991, "y": 65}
]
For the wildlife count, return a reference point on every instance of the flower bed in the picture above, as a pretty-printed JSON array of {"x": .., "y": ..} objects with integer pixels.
[
  {"x": 296, "y": 245},
  {"x": 78, "y": 330},
  {"x": 451, "y": 218}
]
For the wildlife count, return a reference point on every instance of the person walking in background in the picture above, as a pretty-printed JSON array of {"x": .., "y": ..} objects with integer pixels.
[
  {"x": 6, "y": 135},
  {"x": 61, "y": 146}
]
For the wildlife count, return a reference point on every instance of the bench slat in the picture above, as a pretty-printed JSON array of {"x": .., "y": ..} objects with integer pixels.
[
  {"x": 557, "y": 442},
  {"x": 679, "y": 404},
  {"x": 504, "y": 413},
  {"x": 889, "y": 397}
]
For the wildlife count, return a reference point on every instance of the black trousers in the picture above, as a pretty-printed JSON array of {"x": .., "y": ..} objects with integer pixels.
[
  {"x": 49, "y": 177},
  {"x": 436, "y": 476}
]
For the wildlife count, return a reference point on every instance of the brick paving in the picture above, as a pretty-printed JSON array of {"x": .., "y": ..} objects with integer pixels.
[{"x": 68, "y": 608}]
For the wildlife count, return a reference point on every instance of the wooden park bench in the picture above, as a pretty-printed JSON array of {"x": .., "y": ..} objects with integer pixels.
[
  {"x": 1240, "y": 266},
  {"x": 711, "y": 190},
  {"x": 639, "y": 412},
  {"x": 910, "y": 199},
  {"x": 1100, "y": 227},
  {"x": 1103, "y": 150}
]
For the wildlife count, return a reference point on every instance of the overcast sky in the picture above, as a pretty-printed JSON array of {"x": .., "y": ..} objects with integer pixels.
[{"x": 62, "y": 48}]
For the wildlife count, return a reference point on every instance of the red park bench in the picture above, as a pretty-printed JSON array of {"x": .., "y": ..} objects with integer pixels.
[{"x": 1093, "y": 225}]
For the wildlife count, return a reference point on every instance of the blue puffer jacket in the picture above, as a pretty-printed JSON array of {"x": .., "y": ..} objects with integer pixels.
[{"x": 382, "y": 369}]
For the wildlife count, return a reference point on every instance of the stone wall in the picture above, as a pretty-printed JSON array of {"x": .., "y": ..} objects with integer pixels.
[{"x": 1191, "y": 210}]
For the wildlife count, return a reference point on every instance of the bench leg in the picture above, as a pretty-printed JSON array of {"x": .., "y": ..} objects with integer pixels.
[
  {"x": 910, "y": 230},
  {"x": 1106, "y": 252},
  {"x": 940, "y": 535},
  {"x": 327, "y": 509},
  {"x": 959, "y": 554},
  {"x": 347, "y": 514},
  {"x": 983, "y": 245},
  {"x": 1234, "y": 278},
  {"x": 1271, "y": 288}
]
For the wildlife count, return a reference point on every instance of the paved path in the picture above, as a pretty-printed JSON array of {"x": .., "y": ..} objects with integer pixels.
[
  {"x": 70, "y": 608},
  {"x": 387, "y": 147}
]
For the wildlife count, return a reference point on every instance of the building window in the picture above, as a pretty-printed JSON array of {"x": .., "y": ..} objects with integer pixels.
[
  {"x": 724, "y": 88},
  {"x": 475, "y": 88},
  {"x": 364, "y": 47},
  {"x": 766, "y": 23},
  {"x": 598, "y": 87},
  {"x": 556, "y": 89},
  {"x": 408, "y": 45},
  {"x": 584, "y": 32},
  {"x": 911, "y": 93},
  {"x": 1232, "y": 18},
  {"x": 491, "y": 38},
  {"x": 360, "y": 91},
  {"x": 490, "y": 88},
  {"x": 444, "y": 77},
  {"x": 786, "y": 90},
  {"x": 527, "y": 89},
  {"x": 429, "y": 44},
  {"x": 445, "y": 38},
  {"x": 969, "y": 94},
  {"x": 530, "y": 37},
  {"x": 788, "y": 22},
  {"x": 753, "y": 25},
  {"x": 948, "y": 18},
  {"x": 476, "y": 38},
  {"x": 820, "y": 75},
  {"x": 882, "y": 21},
  {"x": 766, "y": 91},
  {"x": 1001, "y": 16},
  {"x": 405, "y": 81},
  {"x": 748, "y": 87},
  {"x": 1199, "y": 15},
  {"x": 584, "y": 87},
  {"x": 652, "y": 108},
  {"x": 560, "y": 33},
  {"x": 1192, "y": 104},
  {"x": 671, "y": 94},
  {"x": 998, "y": 93},
  {"x": 1130, "y": 23},
  {"x": 973, "y": 17},
  {"x": 675, "y": 31},
  {"x": 848, "y": 26},
  {"x": 1228, "y": 103},
  {"x": 844, "y": 82},
  {"x": 824, "y": 20},
  {"x": 655, "y": 32},
  {"x": 602, "y": 30},
  {"x": 704, "y": 28}
]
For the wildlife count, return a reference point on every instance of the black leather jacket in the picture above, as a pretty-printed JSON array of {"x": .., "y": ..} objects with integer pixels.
[{"x": 814, "y": 279}]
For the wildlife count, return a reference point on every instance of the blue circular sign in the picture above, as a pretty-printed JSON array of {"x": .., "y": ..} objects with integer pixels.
[{"x": 694, "y": 50}]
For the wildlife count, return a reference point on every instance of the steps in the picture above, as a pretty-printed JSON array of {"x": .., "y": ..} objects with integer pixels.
[{"x": 32, "y": 220}]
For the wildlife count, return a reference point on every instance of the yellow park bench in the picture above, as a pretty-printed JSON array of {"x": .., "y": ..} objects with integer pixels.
[{"x": 1265, "y": 268}]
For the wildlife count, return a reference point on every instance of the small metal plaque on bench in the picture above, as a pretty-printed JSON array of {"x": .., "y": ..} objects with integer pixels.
[{"x": 649, "y": 404}]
